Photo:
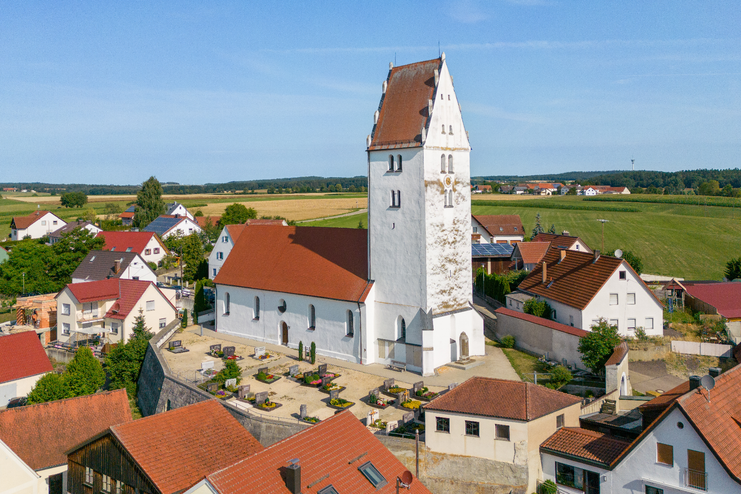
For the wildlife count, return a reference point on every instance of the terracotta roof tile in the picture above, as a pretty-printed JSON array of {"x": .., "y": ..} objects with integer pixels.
[
  {"x": 320, "y": 262},
  {"x": 725, "y": 297},
  {"x": 201, "y": 220},
  {"x": 328, "y": 453},
  {"x": 126, "y": 293},
  {"x": 543, "y": 322},
  {"x": 266, "y": 222},
  {"x": 403, "y": 110},
  {"x": 42, "y": 434},
  {"x": 499, "y": 398},
  {"x": 22, "y": 355},
  {"x": 121, "y": 241},
  {"x": 23, "y": 222},
  {"x": 559, "y": 241},
  {"x": 178, "y": 448},
  {"x": 585, "y": 444},
  {"x": 532, "y": 252},
  {"x": 501, "y": 224}
]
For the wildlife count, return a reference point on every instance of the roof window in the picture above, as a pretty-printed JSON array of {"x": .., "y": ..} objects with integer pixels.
[
  {"x": 128, "y": 249},
  {"x": 372, "y": 474},
  {"x": 328, "y": 490}
]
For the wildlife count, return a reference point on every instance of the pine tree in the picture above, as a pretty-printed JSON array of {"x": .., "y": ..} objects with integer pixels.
[
  {"x": 312, "y": 353},
  {"x": 51, "y": 387},
  {"x": 538, "y": 229},
  {"x": 149, "y": 203},
  {"x": 300, "y": 351}
]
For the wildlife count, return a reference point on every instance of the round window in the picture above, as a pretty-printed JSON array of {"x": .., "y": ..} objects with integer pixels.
[{"x": 680, "y": 425}]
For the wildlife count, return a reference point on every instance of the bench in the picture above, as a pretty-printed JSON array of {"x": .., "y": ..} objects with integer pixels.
[{"x": 398, "y": 366}]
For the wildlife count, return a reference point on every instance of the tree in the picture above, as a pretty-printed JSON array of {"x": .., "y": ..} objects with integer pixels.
[
  {"x": 312, "y": 353},
  {"x": 192, "y": 256},
  {"x": 184, "y": 319},
  {"x": 50, "y": 387},
  {"x": 124, "y": 362},
  {"x": 73, "y": 199},
  {"x": 709, "y": 188},
  {"x": 552, "y": 229},
  {"x": 149, "y": 203},
  {"x": 199, "y": 298},
  {"x": 27, "y": 269},
  {"x": 90, "y": 215},
  {"x": 539, "y": 308},
  {"x": 560, "y": 376},
  {"x": 360, "y": 224},
  {"x": 538, "y": 229},
  {"x": 635, "y": 262},
  {"x": 70, "y": 251},
  {"x": 300, "y": 351},
  {"x": 84, "y": 374},
  {"x": 733, "y": 269},
  {"x": 598, "y": 345},
  {"x": 236, "y": 214},
  {"x": 231, "y": 370}
]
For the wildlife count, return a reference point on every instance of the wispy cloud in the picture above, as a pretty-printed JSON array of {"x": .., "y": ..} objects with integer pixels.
[{"x": 467, "y": 12}]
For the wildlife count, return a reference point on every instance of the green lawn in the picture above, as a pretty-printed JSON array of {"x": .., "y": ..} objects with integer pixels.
[{"x": 343, "y": 222}]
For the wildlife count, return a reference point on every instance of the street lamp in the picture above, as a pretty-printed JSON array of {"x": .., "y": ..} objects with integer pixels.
[{"x": 603, "y": 233}]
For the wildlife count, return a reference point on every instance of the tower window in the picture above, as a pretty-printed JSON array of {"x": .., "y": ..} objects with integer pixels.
[
  {"x": 442, "y": 163},
  {"x": 448, "y": 97},
  {"x": 401, "y": 334},
  {"x": 395, "y": 198},
  {"x": 350, "y": 324},
  {"x": 398, "y": 163},
  {"x": 448, "y": 199},
  {"x": 391, "y": 162},
  {"x": 257, "y": 308},
  {"x": 312, "y": 317},
  {"x": 443, "y": 128},
  {"x": 227, "y": 303},
  {"x": 450, "y": 129},
  {"x": 450, "y": 163}
]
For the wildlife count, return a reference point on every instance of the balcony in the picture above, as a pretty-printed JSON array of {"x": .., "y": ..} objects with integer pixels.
[{"x": 696, "y": 479}]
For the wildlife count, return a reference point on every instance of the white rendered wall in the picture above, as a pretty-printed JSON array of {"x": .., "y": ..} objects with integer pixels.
[
  {"x": 184, "y": 228},
  {"x": 548, "y": 464},
  {"x": 156, "y": 251},
  {"x": 139, "y": 270},
  {"x": 41, "y": 227},
  {"x": 16, "y": 477},
  {"x": 223, "y": 245},
  {"x": 17, "y": 388}
]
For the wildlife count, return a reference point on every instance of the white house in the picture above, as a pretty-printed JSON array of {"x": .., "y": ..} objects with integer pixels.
[
  {"x": 227, "y": 239},
  {"x": 497, "y": 228},
  {"x": 105, "y": 264},
  {"x": 691, "y": 447},
  {"x": 405, "y": 284},
  {"x": 582, "y": 288},
  {"x": 56, "y": 235},
  {"x": 177, "y": 209},
  {"x": 164, "y": 226},
  {"x": 36, "y": 225},
  {"x": 24, "y": 362},
  {"x": 34, "y": 439},
  {"x": 109, "y": 307},
  {"x": 147, "y": 244},
  {"x": 563, "y": 241}
]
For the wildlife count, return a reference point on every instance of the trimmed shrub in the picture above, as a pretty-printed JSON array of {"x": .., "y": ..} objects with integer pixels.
[{"x": 508, "y": 341}]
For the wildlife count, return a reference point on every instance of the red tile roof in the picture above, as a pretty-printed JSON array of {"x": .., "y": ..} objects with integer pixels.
[
  {"x": 266, "y": 222},
  {"x": 404, "y": 106},
  {"x": 501, "y": 224},
  {"x": 667, "y": 399},
  {"x": 137, "y": 241},
  {"x": 618, "y": 354},
  {"x": 328, "y": 453},
  {"x": 178, "y": 448},
  {"x": 504, "y": 399},
  {"x": 559, "y": 241},
  {"x": 575, "y": 279},
  {"x": 22, "y": 356},
  {"x": 585, "y": 444},
  {"x": 126, "y": 293},
  {"x": 725, "y": 297},
  {"x": 126, "y": 214},
  {"x": 201, "y": 220},
  {"x": 531, "y": 252},
  {"x": 42, "y": 434},
  {"x": 235, "y": 231},
  {"x": 23, "y": 222},
  {"x": 557, "y": 326},
  {"x": 320, "y": 262}
]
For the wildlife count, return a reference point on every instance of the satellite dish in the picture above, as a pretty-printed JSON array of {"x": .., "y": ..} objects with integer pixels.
[
  {"x": 707, "y": 382},
  {"x": 618, "y": 253},
  {"x": 406, "y": 477}
]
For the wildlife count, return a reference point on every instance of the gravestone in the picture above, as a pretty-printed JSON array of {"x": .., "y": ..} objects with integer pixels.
[
  {"x": 407, "y": 417},
  {"x": 229, "y": 351},
  {"x": 403, "y": 396},
  {"x": 375, "y": 415},
  {"x": 464, "y": 346},
  {"x": 244, "y": 390},
  {"x": 215, "y": 348},
  {"x": 374, "y": 392},
  {"x": 326, "y": 380},
  {"x": 229, "y": 383},
  {"x": 208, "y": 364},
  {"x": 451, "y": 386},
  {"x": 322, "y": 369},
  {"x": 388, "y": 384},
  {"x": 293, "y": 370},
  {"x": 262, "y": 370},
  {"x": 302, "y": 412},
  {"x": 390, "y": 426},
  {"x": 334, "y": 394},
  {"x": 212, "y": 387},
  {"x": 417, "y": 386},
  {"x": 175, "y": 344},
  {"x": 259, "y": 351},
  {"x": 369, "y": 418},
  {"x": 261, "y": 397}
]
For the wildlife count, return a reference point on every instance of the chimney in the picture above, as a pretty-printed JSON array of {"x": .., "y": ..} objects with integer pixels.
[
  {"x": 293, "y": 478},
  {"x": 545, "y": 272},
  {"x": 596, "y": 255},
  {"x": 694, "y": 382},
  {"x": 116, "y": 266},
  {"x": 714, "y": 371},
  {"x": 563, "y": 254},
  {"x": 565, "y": 233}
]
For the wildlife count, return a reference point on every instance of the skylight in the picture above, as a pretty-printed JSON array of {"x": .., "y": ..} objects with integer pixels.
[
  {"x": 372, "y": 474},
  {"x": 128, "y": 249},
  {"x": 328, "y": 490}
]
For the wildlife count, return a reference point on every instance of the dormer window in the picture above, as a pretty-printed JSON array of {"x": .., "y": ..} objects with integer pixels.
[{"x": 373, "y": 475}]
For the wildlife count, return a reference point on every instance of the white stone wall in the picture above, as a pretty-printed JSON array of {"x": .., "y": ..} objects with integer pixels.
[
  {"x": 19, "y": 387},
  {"x": 223, "y": 247}
]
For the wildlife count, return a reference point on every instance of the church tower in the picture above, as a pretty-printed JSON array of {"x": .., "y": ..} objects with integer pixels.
[{"x": 419, "y": 216}]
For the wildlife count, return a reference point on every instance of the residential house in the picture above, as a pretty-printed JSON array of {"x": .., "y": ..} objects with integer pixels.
[
  {"x": 520, "y": 189},
  {"x": 127, "y": 217},
  {"x": 527, "y": 255},
  {"x": 3, "y": 255},
  {"x": 563, "y": 241},
  {"x": 723, "y": 299},
  {"x": 24, "y": 362},
  {"x": 38, "y": 314},
  {"x": 338, "y": 455},
  {"x": 493, "y": 258},
  {"x": 503, "y": 421},
  {"x": 481, "y": 189},
  {"x": 595, "y": 190},
  {"x": 109, "y": 307},
  {"x": 227, "y": 239},
  {"x": 566, "y": 188},
  {"x": 106, "y": 264},
  {"x": 506, "y": 189},
  {"x": 56, "y": 235},
  {"x": 164, "y": 453},
  {"x": 177, "y": 209},
  {"x": 147, "y": 244},
  {"x": 165, "y": 226},
  {"x": 34, "y": 439},
  {"x": 582, "y": 288},
  {"x": 691, "y": 446},
  {"x": 497, "y": 229},
  {"x": 36, "y": 225}
]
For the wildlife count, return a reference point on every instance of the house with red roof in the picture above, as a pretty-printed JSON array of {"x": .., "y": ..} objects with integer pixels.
[
  {"x": 497, "y": 228},
  {"x": 34, "y": 439},
  {"x": 147, "y": 244},
  {"x": 35, "y": 225},
  {"x": 127, "y": 217},
  {"x": 723, "y": 299},
  {"x": 397, "y": 294},
  {"x": 693, "y": 445},
  {"x": 502, "y": 421},
  {"x": 24, "y": 362},
  {"x": 527, "y": 255},
  {"x": 563, "y": 241},
  {"x": 336, "y": 456},
  {"x": 227, "y": 239},
  {"x": 109, "y": 307}
]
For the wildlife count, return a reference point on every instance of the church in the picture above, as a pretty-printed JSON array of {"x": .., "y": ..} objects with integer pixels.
[{"x": 397, "y": 292}]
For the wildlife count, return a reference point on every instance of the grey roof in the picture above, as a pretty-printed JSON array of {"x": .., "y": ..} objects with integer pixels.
[
  {"x": 161, "y": 225},
  {"x": 99, "y": 265},
  {"x": 131, "y": 209},
  {"x": 492, "y": 250},
  {"x": 171, "y": 207},
  {"x": 68, "y": 228}
]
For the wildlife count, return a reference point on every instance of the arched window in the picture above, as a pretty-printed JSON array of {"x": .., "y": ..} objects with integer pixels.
[
  {"x": 450, "y": 129},
  {"x": 391, "y": 162},
  {"x": 450, "y": 198},
  {"x": 312, "y": 317},
  {"x": 443, "y": 128},
  {"x": 257, "y": 308},
  {"x": 442, "y": 163},
  {"x": 227, "y": 303},
  {"x": 398, "y": 163},
  {"x": 445, "y": 198},
  {"x": 401, "y": 330},
  {"x": 350, "y": 329},
  {"x": 450, "y": 163}
]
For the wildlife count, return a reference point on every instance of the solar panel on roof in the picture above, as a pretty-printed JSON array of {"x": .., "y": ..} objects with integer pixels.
[{"x": 491, "y": 250}]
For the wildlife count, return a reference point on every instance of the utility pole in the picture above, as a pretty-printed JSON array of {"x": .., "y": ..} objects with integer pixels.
[{"x": 603, "y": 233}]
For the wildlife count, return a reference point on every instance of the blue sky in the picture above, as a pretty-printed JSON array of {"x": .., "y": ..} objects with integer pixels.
[{"x": 113, "y": 92}]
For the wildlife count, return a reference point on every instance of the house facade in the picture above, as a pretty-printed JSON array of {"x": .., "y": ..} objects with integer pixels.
[
  {"x": 166, "y": 226},
  {"x": 147, "y": 244},
  {"x": 177, "y": 209},
  {"x": 36, "y": 225},
  {"x": 56, "y": 235},
  {"x": 24, "y": 363},
  {"x": 497, "y": 229},
  {"x": 106, "y": 264}
]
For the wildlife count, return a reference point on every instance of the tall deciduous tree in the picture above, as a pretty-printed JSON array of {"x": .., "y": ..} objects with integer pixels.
[
  {"x": 70, "y": 251},
  {"x": 598, "y": 345},
  {"x": 84, "y": 374},
  {"x": 73, "y": 199},
  {"x": 236, "y": 214},
  {"x": 149, "y": 203},
  {"x": 192, "y": 256}
]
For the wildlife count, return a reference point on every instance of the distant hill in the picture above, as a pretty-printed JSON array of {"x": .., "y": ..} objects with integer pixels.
[{"x": 552, "y": 177}]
